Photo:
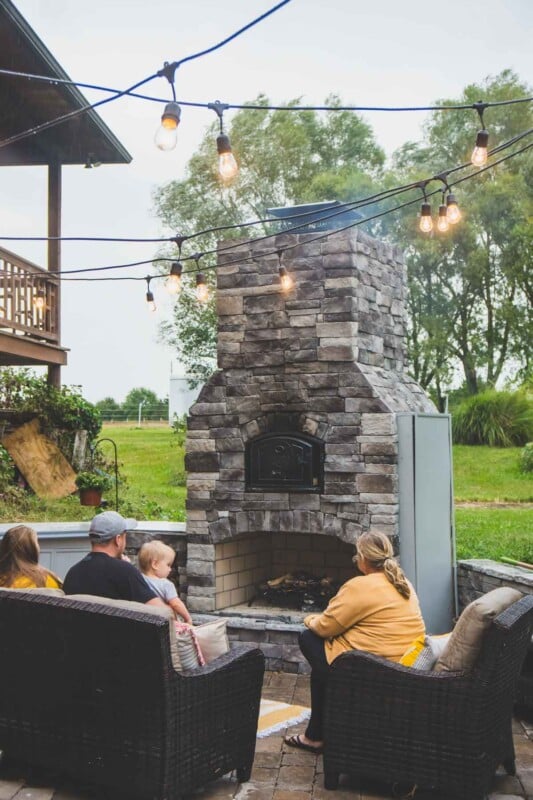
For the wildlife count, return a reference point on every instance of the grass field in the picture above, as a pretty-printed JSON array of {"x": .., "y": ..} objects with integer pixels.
[
  {"x": 490, "y": 474},
  {"x": 151, "y": 463}
]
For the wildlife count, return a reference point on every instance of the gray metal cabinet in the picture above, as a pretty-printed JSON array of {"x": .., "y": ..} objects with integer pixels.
[{"x": 427, "y": 538}]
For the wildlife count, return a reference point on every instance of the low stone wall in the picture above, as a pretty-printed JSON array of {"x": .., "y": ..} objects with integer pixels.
[
  {"x": 477, "y": 576},
  {"x": 277, "y": 639}
]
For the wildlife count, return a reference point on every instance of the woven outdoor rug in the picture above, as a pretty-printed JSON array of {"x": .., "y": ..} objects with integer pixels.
[{"x": 274, "y": 716}]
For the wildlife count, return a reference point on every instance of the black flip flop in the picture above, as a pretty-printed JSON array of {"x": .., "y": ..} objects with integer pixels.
[{"x": 296, "y": 741}]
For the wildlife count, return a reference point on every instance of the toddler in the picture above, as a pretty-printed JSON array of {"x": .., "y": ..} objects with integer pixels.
[{"x": 155, "y": 563}]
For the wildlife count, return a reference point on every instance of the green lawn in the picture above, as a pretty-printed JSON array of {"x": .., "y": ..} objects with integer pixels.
[
  {"x": 490, "y": 474},
  {"x": 151, "y": 462},
  {"x": 494, "y": 532},
  {"x": 487, "y": 475}
]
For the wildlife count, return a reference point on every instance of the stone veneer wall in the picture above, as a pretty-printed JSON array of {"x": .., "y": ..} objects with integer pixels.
[
  {"x": 478, "y": 576},
  {"x": 326, "y": 359}
]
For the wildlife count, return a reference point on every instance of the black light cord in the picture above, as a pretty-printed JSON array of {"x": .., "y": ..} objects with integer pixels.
[
  {"x": 338, "y": 209},
  {"x": 255, "y": 107},
  {"x": 443, "y": 176},
  {"x": 232, "y": 36},
  {"x": 120, "y": 93},
  {"x": 297, "y": 244}
]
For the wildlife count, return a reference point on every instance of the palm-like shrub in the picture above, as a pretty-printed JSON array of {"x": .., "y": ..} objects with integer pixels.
[
  {"x": 497, "y": 419},
  {"x": 526, "y": 458}
]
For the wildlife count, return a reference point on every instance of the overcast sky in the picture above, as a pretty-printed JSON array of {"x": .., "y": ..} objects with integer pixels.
[{"x": 381, "y": 53}]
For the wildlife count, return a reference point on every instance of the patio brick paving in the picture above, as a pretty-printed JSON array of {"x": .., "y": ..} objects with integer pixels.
[{"x": 282, "y": 773}]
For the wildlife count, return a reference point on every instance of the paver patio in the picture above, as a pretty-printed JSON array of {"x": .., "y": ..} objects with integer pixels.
[{"x": 282, "y": 773}]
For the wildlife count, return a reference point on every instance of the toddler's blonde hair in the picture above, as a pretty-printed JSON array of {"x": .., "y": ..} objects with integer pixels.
[{"x": 154, "y": 551}]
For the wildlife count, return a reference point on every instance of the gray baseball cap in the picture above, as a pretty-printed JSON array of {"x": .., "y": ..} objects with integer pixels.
[{"x": 109, "y": 524}]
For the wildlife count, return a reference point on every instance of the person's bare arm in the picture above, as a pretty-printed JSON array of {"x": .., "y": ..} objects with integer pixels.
[{"x": 180, "y": 608}]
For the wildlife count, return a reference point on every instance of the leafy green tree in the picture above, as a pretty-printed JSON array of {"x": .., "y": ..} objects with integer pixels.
[
  {"x": 152, "y": 405},
  {"x": 108, "y": 407},
  {"x": 470, "y": 289},
  {"x": 285, "y": 158}
]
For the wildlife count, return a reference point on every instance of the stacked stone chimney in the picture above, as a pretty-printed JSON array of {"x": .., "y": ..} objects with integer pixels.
[{"x": 325, "y": 360}]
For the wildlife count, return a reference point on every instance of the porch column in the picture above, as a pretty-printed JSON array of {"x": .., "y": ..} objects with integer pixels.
[{"x": 54, "y": 255}]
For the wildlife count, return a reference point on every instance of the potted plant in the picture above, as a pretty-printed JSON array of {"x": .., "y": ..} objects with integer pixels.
[{"x": 91, "y": 486}]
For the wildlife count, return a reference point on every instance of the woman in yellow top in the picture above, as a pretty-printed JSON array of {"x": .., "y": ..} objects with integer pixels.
[
  {"x": 19, "y": 561},
  {"x": 377, "y": 612}
]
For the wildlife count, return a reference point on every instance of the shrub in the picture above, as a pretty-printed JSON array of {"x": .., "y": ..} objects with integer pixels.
[
  {"x": 497, "y": 419},
  {"x": 179, "y": 427},
  {"x": 526, "y": 458},
  {"x": 7, "y": 470},
  {"x": 64, "y": 408}
]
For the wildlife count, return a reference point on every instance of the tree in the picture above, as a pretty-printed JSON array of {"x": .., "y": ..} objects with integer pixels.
[
  {"x": 108, "y": 407},
  {"x": 152, "y": 406},
  {"x": 285, "y": 158},
  {"x": 470, "y": 290}
]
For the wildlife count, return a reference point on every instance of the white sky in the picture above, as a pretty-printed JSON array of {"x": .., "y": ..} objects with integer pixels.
[{"x": 381, "y": 53}]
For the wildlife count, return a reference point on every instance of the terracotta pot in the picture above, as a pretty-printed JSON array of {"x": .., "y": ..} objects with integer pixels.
[{"x": 90, "y": 497}]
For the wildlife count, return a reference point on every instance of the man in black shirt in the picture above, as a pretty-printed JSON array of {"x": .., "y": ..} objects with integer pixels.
[{"x": 105, "y": 571}]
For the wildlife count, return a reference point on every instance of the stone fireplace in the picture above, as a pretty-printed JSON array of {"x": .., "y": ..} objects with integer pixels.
[{"x": 292, "y": 445}]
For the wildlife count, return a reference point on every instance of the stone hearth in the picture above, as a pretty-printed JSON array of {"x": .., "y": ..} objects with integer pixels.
[{"x": 323, "y": 363}]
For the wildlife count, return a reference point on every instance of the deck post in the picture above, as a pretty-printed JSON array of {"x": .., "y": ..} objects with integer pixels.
[{"x": 54, "y": 255}]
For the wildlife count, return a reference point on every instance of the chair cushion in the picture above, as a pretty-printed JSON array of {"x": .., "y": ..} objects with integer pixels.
[
  {"x": 464, "y": 645},
  {"x": 425, "y": 651},
  {"x": 212, "y": 638},
  {"x": 190, "y": 654}
]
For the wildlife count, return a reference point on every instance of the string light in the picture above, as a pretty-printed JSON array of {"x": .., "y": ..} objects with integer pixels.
[
  {"x": 443, "y": 222},
  {"x": 453, "y": 212},
  {"x": 166, "y": 136},
  {"x": 479, "y": 153},
  {"x": 149, "y": 295},
  {"x": 39, "y": 301},
  {"x": 286, "y": 281},
  {"x": 227, "y": 166},
  {"x": 202, "y": 289},
  {"x": 173, "y": 284}
]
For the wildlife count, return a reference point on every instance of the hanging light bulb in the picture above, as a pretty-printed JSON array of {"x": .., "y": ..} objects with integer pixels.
[
  {"x": 285, "y": 280},
  {"x": 39, "y": 301},
  {"x": 479, "y": 153},
  {"x": 149, "y": 296},
  {"x": 202, "y": 289},
  {"x": 166, "y": 136},
  {"x": 173, "y": 284},
  {"x": 443, "y": 223},
  {"x": 426, "y": 223},
  {"x": 453, "y": 212},
  {"x": 227, "y": 166}
]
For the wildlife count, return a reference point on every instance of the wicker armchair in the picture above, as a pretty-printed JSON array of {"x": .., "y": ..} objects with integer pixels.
[
  {"x": 446, "y": 731},
  {"x": 90, "y": 691}
]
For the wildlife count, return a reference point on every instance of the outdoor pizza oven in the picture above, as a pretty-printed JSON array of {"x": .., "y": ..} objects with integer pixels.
[{"x": 292, "y": 445}]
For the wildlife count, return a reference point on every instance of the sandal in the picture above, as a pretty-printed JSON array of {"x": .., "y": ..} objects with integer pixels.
[{"x": 296, "y": 741}]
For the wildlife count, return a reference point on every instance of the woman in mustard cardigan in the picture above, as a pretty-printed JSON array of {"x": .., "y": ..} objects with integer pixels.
[
  {"x": 19, "y": 561},
  {"x": 377, "y": 612}
]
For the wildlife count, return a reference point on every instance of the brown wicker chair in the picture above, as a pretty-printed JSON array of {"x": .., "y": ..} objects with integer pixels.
[
  {"x": 90, "y": 691},
  {"x": 445, "y": 731}
]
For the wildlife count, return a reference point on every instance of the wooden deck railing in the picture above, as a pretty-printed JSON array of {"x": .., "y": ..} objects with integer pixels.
[{"x": 28, "y": 299}]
